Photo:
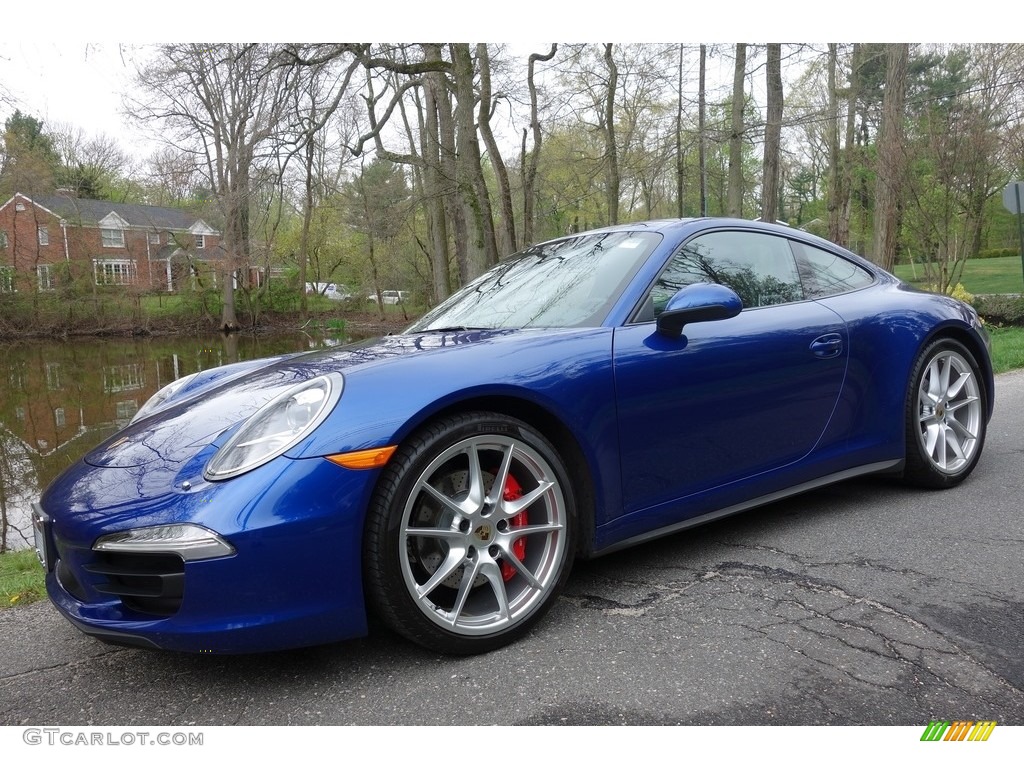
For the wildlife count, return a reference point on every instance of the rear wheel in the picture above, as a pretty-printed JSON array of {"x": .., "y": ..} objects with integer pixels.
[
  {"x": 470, "y": 535},
  {"x": 945, "y": 420}
]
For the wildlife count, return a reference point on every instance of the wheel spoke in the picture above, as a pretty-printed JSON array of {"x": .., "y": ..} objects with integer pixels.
[
  {"x": 954, "y": 389},
  {"x": 459, "y": 508},
  {"x": 934, "y": 377},
  {"x": 493, "y": 575},
  {"x": 525, "y": 572},
  {"x": 961, "y": 429},
  {"x": 944, "y": 374},
  {"x": 961, "y": 403},
  {"x": 465, "y": 587},
  {"x": 445, "y": 534},
  {"x": 456, "y": 557},
  {"x": 931, "y": 439},
  {"x": 513, "y": 508},
  {"x": 477, "y": 494},
  {"x": 952, "y": 441},
  {"x": 500, "y": 479}
]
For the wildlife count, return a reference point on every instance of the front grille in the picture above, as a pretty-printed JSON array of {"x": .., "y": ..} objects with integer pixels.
[{"x": 147, "y": 583}]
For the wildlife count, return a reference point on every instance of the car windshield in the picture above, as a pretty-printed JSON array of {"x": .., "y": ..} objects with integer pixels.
[{"x": 560, "y": 284}]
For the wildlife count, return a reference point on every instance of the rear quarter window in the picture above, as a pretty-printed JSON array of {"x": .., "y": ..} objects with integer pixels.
[{"x": 824, "y": 273}]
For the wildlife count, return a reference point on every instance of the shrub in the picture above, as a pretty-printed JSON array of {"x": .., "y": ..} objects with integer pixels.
[{"x": 1000, "y": 310}]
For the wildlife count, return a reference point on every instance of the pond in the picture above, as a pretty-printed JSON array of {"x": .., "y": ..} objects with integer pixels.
[{"x": 59, "y": 399}]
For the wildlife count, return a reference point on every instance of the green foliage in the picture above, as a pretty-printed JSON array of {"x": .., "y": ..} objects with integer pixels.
[
  {"x": 22, "y": 580},
  {"x": 1000, "y": 310},
  {"x": 997, "y": 275},
  {"x": 1007, "y": 348}
]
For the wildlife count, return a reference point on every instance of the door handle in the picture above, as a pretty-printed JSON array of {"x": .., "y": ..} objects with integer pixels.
[{"x": 827, "y": 346}]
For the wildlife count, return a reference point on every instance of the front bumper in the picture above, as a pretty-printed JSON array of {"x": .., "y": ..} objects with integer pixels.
[{"x": 294, "y": 580}]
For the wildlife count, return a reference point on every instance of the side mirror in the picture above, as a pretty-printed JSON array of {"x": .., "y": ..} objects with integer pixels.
[{"x": 698, "y": 303}]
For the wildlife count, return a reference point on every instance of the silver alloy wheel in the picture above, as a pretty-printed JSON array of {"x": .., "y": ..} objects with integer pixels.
[
  {"x": 949, "y": 412},
  {"x": 460, "y": 527}
]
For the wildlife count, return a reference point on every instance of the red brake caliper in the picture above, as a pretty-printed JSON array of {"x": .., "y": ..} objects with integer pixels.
[{"x": 512, "y": 492}]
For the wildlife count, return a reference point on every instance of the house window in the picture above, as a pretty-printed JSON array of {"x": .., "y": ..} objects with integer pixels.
[
  {"x": 126, "y": 409},
  {"x": 200, "y": 241},
  {"x": 47, "y": 280},
  {"x": 53, "y": 377},
  {"x": 44, "y": 236},
  {"x": 3, "y": 238},
  {"x": 112, "y": 238},
  {"x": 114, "y": 271},
  {"x": 123, "y": 378},
  {"x": 154, "y": 238},
  {"x": 6, "y": 280},
  {"x": 58, "y": 417}
]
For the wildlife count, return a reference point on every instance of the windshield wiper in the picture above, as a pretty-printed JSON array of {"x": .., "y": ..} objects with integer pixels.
[{"x": 454, "y": 329}]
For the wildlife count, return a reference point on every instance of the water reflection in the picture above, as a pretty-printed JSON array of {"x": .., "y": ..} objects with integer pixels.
[{"x": 58, "y": 400}]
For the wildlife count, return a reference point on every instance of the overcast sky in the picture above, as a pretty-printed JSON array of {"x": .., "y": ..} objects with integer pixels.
[{"x": 62, "y": 78}]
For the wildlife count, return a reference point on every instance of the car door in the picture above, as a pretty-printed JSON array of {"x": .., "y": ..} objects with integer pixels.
[{"x": 730, "y": 399}]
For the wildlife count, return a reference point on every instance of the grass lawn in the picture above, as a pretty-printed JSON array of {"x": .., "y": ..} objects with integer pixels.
[
  {"x": 1002, "y": 275},
  {"x": 1007, "y": 348},
  {"x": 21, "y": 578}
]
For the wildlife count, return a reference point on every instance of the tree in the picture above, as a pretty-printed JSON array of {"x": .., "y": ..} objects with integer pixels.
[
  {"x": 29, "y": 163},
  {"x": 772, "y": 136},
  {"x": 891, "y": 156},
  {"x": 93, "y": 167},
  {"x": 223, "y": 103},
  {"x": 528, "y": 161},
  {"x": 735, "y": 193}
]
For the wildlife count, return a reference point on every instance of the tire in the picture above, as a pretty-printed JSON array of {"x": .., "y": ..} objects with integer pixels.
[
  {"x": 453, "y": 566},
  {"x": 945, "y": 416}
]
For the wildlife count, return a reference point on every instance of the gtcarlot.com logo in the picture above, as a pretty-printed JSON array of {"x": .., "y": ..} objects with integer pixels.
[
  {"x": 958, "y": 730},
  {"x": 71, "y": 737}
]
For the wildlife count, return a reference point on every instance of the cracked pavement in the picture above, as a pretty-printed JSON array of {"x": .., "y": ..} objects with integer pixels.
[{"x": 861, "y": 604}]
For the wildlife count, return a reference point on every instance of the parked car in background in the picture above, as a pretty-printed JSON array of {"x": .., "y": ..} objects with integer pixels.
[
  {"x": 336, "y": 291},
  {"x": 587, "y": 394},
  {"x": 390, "y": 297}
]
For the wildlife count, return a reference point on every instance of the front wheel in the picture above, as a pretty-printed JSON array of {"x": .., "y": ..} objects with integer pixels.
[
  {"x": 470, "y": 535},
  {"x": 946, "y": 407}
]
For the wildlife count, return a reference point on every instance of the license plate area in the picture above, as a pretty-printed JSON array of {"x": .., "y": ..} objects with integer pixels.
[{"x": 41, "y": 528}]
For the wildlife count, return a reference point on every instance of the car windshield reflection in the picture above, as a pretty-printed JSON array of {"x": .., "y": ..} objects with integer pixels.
[{"x": 563, "y": 284}]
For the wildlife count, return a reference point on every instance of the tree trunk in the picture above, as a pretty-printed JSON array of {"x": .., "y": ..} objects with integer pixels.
[
  {"x": 833, "y": 195},
  {"x": 529, "y": 163},
  {"x": 770, "y": 185},
  {"x": 735, "y": 193},
  {"x": 701, "y": 119},
  {"x": 680, "y": 165},
  {"x": 307, "y": 218},
  {"x": 436, "y": 186},
  {"x": 891, "y": 156},
  {"x": 507, "y": 232},
  {"x": 474, "y": 198},
  {"x": 610, "y": 151}
]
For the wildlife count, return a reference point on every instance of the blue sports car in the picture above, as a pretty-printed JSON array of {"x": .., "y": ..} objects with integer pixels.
[{"x": 586, "y": 394}]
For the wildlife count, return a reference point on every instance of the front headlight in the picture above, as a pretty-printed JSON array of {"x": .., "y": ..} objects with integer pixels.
[
  {"x": 156, "y": 401},
  {"x": 276, "y": 427}
]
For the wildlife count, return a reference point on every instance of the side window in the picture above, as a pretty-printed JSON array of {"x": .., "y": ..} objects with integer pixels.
[
  {"x": 760, "y": 268},
  {"x": 826, "y": 274}
]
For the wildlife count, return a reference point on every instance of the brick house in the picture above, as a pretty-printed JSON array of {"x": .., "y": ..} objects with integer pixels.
[{"x": 46, "y": 241}]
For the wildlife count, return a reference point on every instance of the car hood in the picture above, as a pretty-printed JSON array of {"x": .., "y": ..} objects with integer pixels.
[{"x": 197, "y": 417}]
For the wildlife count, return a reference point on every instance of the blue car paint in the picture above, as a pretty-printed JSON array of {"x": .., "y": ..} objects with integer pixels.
[{"x": 296, "y": 522}]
